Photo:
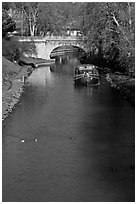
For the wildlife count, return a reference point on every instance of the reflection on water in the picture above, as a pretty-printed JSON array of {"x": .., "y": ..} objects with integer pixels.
[
  {"x": 85, "y": 142},
  {"x": 41, "y": 79},
  {"x": 65, "y": 68}
]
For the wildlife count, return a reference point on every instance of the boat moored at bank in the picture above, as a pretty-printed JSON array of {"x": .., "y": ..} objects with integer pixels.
[{"x": 86, "y": 75}]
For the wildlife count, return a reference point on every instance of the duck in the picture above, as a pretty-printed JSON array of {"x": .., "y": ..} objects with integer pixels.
[{"x": 22, "y": 140}]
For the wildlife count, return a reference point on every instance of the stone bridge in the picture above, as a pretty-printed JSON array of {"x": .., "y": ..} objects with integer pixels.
[{"x": 45, "y": 45}]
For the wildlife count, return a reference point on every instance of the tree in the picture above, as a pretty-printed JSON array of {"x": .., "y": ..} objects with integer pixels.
[
  {"x": 8, "y": 25},
  {"x": 29, "y": 12},
  {"x": 54, "y": 22},
  {"x": 110, "y": 26}
]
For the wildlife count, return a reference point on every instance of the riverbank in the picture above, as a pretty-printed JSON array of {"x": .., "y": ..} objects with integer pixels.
[
  {"x": 124, "y": 84},
  {"x": 37, "y": 62},
  {"x": 13, "y": 80}
]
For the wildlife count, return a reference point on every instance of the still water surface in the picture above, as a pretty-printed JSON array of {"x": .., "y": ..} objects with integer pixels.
[{"x": 85, "y": 147}]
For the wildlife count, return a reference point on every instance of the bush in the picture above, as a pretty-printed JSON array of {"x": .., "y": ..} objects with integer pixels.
[
  {"x": 8, "y": 25},
  {"x": 13, "y": 50}
]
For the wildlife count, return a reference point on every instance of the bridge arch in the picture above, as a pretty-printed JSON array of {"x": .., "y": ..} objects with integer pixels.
[
  {"x": 45, "y": 45},
  {"x": 67, "y": 51}
]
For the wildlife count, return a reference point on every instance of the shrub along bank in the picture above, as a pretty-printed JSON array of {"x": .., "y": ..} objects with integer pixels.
[{"x": 124, "y": 84}]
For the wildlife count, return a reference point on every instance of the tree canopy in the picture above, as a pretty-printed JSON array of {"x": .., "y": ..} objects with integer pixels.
[
  {"x": 36, "y": 18},
  {"x": 110, "y": 27}
]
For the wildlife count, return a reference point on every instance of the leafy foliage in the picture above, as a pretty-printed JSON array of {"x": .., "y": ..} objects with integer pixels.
[
  {"x": 37, "y": 18},
  {"x": 110, "y": 28},
  {"x": 13, "y": 50},
  {"x": 8, "y": 25}
]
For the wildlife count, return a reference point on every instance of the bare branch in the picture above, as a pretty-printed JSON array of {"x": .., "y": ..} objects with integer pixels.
[
  {"x": 119, "y": 26},
  {"x": 129, "y": 11}
]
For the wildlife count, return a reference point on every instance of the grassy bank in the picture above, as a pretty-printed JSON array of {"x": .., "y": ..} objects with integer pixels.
[
  {"x": 12, "y": 84},
  {"x": 124, "y": 84},
  {"x": 13, "y": 80}
]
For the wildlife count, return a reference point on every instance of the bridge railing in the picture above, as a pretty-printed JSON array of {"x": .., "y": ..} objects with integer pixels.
[{"x": 48, "y": 38}]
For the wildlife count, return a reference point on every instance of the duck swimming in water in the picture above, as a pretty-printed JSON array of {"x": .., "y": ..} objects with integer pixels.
[{"x": 22, "y": 140}]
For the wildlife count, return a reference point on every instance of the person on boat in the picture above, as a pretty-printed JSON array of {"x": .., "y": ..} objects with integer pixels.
[{"x": 77, "y": 71}]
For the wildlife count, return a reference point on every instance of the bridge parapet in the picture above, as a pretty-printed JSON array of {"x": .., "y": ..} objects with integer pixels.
[{"x": 49, "y": 38}]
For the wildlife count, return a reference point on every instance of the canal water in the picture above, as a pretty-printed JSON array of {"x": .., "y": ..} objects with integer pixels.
[{"x": 63, "y": 143}]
